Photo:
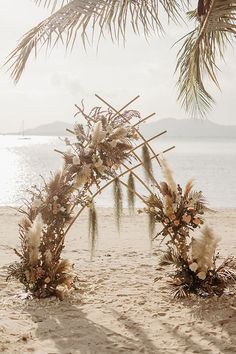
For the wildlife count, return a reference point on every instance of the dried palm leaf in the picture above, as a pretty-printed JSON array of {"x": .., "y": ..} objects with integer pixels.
[
  {"x": 181, "y": 292},
  {"x": 170, "y": 257},
  {"x": 131, "y": 193},
  {"x": 79, "y": 16},
  {"x": 118, "y": 201},
  {"x": 216, "y": 27},
  {"x": 93, "y": 228},
  {"x": 63, "y": 267}
]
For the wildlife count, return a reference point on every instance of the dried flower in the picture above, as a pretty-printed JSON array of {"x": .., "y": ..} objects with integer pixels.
[
  {"x": 193, "y": 266},
  {"x": 201, "y": 275},
  {"x": 34, "y": 235},
  {"x": 76, "y": 160}
]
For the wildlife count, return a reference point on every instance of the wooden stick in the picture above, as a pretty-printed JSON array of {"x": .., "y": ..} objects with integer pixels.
[
  {"x": 142, "y": 120},
  {"x": 106, "y": 185},
  {"x": 137, "y": 131}
]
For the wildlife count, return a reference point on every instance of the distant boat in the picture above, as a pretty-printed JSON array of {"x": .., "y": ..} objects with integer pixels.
[{"x": 23, "y": 137}]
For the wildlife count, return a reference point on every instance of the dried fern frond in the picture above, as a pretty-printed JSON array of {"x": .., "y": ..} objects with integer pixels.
[
  {"x": 216, "y": 27},
  {"x": 131, "y": 193},
  {"x": 80, "y": 17},
  {"x": 118, "y": 201},
  {"x": 93, "y": 228},
  {"x": 147, "y": 163}
]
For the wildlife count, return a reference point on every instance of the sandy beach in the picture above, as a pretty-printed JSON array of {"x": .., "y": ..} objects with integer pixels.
[{"x": 118, "y": 307}]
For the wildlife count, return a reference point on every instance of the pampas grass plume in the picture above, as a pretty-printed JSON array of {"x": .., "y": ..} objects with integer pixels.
[
  {"x": 168, "y": 175},
  {"x": 203, "y": 249},
  {"x": 34, "y": 235}
]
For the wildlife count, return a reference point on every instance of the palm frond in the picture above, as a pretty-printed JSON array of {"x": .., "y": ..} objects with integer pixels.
[
  {"x": 118, "y": 201},
  {"x": 92, "y": 16},
  {"x": 131, "y": 193},
  {"x": 181, "y": 292},
  {"x": 170, "y": 257},
  {"x": 54, "y": 4},
  {"x": 198, "y": 56},
  {"x": 93, "y": 227}
]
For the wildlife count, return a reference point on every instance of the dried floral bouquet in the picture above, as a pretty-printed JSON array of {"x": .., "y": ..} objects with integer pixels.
[
  {"x": 102, "y": 146},
  {"x": 180, "y": 212}
]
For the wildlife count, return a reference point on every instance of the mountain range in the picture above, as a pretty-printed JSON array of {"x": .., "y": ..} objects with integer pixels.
[{"x": 175, "y": 127}]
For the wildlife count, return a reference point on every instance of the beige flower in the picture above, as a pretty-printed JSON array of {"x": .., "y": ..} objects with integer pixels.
[
  {"x": 76, "y": 160},
  {"x": 186, "y": 218},
  {"x": 113, "y": 143},
  {"x": 201, "y": 275},
  {"x": 196, "y": 221},
  {"x": 193, "y": 267},
  {"x": 36, "y": 203}
]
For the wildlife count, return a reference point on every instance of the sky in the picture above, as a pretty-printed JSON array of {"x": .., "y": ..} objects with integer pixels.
[{"x": 53, "y": 83}]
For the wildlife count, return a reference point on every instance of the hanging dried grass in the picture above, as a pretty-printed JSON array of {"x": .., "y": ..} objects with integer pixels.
[
  {"x": 147, "y": 163},
  {"x": 118, "y": 201},
  {"x": 93, "y": 228},
  {"x": 151, "y": 226},
  {"x": 131, "y": 193}
]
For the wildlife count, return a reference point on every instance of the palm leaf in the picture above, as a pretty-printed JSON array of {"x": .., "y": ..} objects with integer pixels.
[
  {"x": 216, "y": 27},
  {"x": 96, "y": 16}
]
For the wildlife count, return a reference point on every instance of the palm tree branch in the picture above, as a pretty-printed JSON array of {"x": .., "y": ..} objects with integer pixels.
[
  {"x": 85, "y": 16},
  {"x": 200, "y": 51}
]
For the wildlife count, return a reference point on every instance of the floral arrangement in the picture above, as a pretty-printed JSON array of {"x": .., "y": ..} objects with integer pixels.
[
  {"x": 180, "y": 212},
  {"x": 92, "y": 161}
]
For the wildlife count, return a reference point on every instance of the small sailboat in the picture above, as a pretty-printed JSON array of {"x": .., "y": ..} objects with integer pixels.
[{"x": 23, "y": 137}]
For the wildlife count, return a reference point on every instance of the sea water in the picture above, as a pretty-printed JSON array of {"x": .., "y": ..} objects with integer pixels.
[{"x": 211, "y": 162}]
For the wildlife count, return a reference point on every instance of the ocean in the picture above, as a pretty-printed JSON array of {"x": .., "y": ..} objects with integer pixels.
[{"x": 211, "y": 162}]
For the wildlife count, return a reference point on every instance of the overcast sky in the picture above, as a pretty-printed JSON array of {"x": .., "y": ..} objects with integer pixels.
[{"x": 52, "y": 84}]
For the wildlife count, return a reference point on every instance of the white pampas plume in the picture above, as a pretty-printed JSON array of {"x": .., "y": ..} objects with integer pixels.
[
  {"x": 119, "y": 133},
  {"x": 34, "y": 235},
  {"x": 168, "y": 174},
  {"x": 83, "y": 176},
  {"x": 98, "y": 134},
  {"x": 203, "y": 249}
]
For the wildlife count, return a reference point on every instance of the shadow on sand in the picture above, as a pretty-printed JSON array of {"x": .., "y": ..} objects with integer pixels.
[{"x": 66, "y": 328}]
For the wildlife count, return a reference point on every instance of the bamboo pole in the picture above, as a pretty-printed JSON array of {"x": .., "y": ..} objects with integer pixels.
[
  {"x": 137, "y": 131},
  {"x": 108, "y": 183}
]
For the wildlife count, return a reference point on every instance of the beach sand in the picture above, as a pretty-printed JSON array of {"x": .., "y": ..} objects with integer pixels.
[{"x": 118, "y": 307}]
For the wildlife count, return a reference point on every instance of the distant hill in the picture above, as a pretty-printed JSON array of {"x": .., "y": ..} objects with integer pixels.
[
  {"x": 189, "y": 128},
  {"x": 57, "y": 128},
  {"x": 175, "y": 127}
]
